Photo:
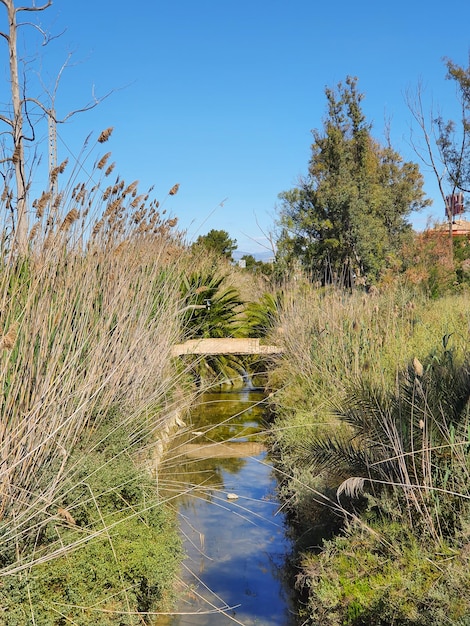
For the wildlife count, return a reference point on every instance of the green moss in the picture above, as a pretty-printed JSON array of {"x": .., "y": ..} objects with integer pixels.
[
  {"x": 128, "y": 569},
  {"x": 365, "y": 578}
]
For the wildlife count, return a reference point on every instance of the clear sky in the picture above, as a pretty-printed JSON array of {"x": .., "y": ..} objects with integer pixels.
[{"x": 221, "y": 95}]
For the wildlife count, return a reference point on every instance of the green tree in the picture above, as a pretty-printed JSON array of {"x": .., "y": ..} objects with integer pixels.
[
  {"x": 257, "y": 267},
  {"x": 250, "y": 261},
  {"x": 347, "y": 217},
  {"x": 219, "y": 241}
]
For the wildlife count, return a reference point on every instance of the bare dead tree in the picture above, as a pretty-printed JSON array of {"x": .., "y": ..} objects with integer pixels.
[
  {"x": 18, "y": 122},
  {"x": 454, "y": 137},
  {"x": 446, "y": 149},
  {"x": 428, "y": 152}
]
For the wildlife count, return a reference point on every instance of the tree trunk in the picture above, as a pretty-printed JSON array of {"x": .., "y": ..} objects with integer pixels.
[{"x": 21, "y": 217}]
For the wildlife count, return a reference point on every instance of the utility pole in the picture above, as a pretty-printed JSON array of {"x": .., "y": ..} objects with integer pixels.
[
  {"x": 52, "y": 152},
  {"x": 455, "y": 205}
]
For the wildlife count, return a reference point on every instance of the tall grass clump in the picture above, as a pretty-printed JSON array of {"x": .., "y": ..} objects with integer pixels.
[
  {"x": 401, "y": 471},
  {"x": 330, "y": 336},
  {"x": 88, "y": 317},
  {"x": 372, "y": 439}
]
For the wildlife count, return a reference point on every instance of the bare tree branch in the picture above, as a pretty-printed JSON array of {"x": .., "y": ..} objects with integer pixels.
[
  {"x": 20, "y": 124},
  {"x": 33, "y": 8},
  {"x": 415, "y": 105},
  {"x": 6, "y": 120},
  {"x": 47, "y": 37}
]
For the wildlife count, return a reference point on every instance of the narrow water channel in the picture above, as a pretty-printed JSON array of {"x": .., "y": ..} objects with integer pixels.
[{"x": 230, "y": 520}]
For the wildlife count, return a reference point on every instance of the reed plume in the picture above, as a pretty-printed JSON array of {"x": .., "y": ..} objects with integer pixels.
[
  {"x": 105, "y": 135},
  {"x": 110, "y": 169},
  {"x": 7, "y": 341},
  {"x": 69, "y": 219},
  {"x": 42, "y": 203},
  {"x": 102, "y": 162},
  {"x": 34, "y": 231}
]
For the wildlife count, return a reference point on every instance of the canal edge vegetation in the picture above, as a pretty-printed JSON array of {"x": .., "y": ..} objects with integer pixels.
[
  {"x": 371, "y": 394},
  {"x": 92, "y": 394},
  {"x": 93, "y": 296},
  {"x": 89, "y": 389},
  {"x": 371, "y": 445}
]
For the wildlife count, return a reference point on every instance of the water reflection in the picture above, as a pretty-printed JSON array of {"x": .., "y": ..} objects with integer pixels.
[{"x": 235, "y": 547}]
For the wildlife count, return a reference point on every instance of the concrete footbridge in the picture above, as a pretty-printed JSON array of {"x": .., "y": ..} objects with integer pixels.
[{"x": 224, "y": 345}]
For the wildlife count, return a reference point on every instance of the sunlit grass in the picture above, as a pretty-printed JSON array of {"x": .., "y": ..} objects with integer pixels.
[{"x": 345, "y": 356}]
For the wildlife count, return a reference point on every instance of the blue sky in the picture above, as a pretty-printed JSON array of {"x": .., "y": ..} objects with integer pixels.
[{"x": 221, "y": 96}]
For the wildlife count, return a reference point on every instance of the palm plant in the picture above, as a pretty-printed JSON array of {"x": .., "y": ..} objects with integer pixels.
[
  {"x": 261, "y": 315},
  {"x": 412, "y": 443},
  {"x": 212, "y": 310}
]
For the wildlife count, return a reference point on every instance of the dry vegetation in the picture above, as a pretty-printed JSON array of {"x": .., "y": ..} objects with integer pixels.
[{"x": 88, "y": 317}]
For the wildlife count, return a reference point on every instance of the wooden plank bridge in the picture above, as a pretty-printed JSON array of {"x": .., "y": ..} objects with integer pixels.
[{"x": 224, "y": 346}]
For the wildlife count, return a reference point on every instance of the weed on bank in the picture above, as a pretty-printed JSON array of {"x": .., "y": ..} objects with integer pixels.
[{"x": 371, "y": 438}]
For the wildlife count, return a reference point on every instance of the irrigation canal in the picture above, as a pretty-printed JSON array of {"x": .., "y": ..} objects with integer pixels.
[{"x": 229, "y": 518}]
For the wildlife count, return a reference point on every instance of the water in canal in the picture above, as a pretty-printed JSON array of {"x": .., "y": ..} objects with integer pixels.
[{"x": 230, "y": 520}]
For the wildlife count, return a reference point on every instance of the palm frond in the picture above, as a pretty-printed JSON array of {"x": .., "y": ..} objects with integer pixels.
[{"x": 339, "y": 456}]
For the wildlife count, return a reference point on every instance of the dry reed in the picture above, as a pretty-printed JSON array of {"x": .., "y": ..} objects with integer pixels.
[{"x": 90, "y": 316}]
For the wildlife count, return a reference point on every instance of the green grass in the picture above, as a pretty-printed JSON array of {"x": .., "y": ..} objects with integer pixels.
[
  {"x": 403, "y": 558},
  {"x": 384, "y": 575}
]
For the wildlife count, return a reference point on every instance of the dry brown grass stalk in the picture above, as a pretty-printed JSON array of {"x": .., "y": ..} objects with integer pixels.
[
  {"x": 98, "y": 313},
  {"x": 7, "y": 341},
  {"x": 105, "y": 135},
  {"x": 41, "y": 204},
  {"x": 69, "y": 219},
  {"x": 34, "y": 231},
  {"x": 110, "y": 169},
  {"x": 102, "y": 162},
  {"x": 75, "y": 365}
]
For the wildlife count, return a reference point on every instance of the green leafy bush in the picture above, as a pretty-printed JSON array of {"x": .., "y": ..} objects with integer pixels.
[{"x": 384, "y": 575}]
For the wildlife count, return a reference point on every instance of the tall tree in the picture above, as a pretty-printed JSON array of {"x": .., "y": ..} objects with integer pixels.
[
  {"x": 454, "y": 137},
  {"x": 16, "y": 121},
  {"x": 444, "y": 145},
  {"x": 348, "y": 215}
]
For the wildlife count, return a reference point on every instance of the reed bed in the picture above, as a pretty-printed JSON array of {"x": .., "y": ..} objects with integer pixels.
[
  {"x": 88, "y": 317},
  {"x": 331, "y": 337},
  {"x": 334, "y": 340}
]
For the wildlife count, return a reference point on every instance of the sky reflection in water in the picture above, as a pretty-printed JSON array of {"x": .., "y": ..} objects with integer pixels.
[{"x": 235, "y": 548}]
